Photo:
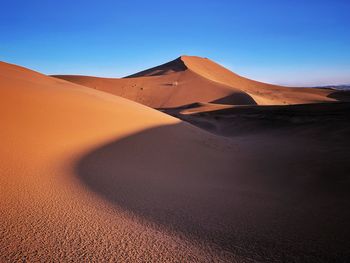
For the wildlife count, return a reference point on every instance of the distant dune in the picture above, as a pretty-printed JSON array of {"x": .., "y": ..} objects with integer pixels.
[
  {"x": 190, "y": 79},
  {"x": 87, "y": 176}
]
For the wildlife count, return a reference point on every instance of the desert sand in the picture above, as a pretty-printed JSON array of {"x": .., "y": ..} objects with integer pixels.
[
  {"x": 87, "y": 176},
  {"x": 190, "y": 79}
]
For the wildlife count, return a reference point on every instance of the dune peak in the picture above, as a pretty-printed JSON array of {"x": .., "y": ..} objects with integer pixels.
[
  {"x": 182, "y": 63},
  {"x": 175, "y": 65}
]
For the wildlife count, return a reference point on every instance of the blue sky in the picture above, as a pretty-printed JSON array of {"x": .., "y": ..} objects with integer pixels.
[{"x": 291, "y": 42}]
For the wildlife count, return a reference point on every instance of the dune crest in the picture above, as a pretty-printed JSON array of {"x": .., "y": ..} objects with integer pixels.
[{"x": 191, "y": 79}]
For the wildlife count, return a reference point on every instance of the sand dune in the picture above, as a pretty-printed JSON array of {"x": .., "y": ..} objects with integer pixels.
[
  {"x": 86, "y": 176},
  {"x": 190, "y": 79},
  {"x": 165, "y": 91},
  {"x": 262, "y": 93},
  {"x": 169, "y": 85},
  {"x": 47, "y": 214}
]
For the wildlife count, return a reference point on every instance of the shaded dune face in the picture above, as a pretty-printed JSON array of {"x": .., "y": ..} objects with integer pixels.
[
  {"x": 263, "y": 198},
  {"x": 190, "y": 79},
  {"x": 340, "y": 95},
  {"x": 176, "y": 65},
  {"x": 228, "y": 120}
]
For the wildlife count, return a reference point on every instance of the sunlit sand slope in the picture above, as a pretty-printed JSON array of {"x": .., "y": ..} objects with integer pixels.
[
  {"x": 47, "y": 213},
  {"x": 190, "y": 79}
]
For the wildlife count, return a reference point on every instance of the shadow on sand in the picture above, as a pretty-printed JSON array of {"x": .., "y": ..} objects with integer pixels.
[
  {"x": 189, "y": 183},
  {"x": 236, "y": 99}
]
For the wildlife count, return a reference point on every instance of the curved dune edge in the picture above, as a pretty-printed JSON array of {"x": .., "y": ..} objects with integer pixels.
[
  {"x": 258, "y": 197},
  {"x": 191, "y": 79},
  {"x": 47, "y": 212},
  {"x": 262, "y": 93}
]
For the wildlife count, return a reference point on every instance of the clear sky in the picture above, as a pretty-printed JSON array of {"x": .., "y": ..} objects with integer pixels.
[{"x": 292, "y": 42}]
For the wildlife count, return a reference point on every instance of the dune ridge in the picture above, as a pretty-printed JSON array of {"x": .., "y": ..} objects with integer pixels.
[{"x": 191, "y": 79}]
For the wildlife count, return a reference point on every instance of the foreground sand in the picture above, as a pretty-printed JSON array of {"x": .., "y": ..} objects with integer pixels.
[{"x": 88, "y": 176}]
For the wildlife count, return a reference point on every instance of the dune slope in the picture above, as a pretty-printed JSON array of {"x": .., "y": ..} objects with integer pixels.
[
  {"x": 262, "y": 93},
  {"x": 46, "y": 212},
  {"x": 163, "y": 91},
  {"x": 191, "y": 79}
]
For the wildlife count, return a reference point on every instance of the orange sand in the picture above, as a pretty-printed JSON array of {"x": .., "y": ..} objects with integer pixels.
[{"x": 191, "y": 79}]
